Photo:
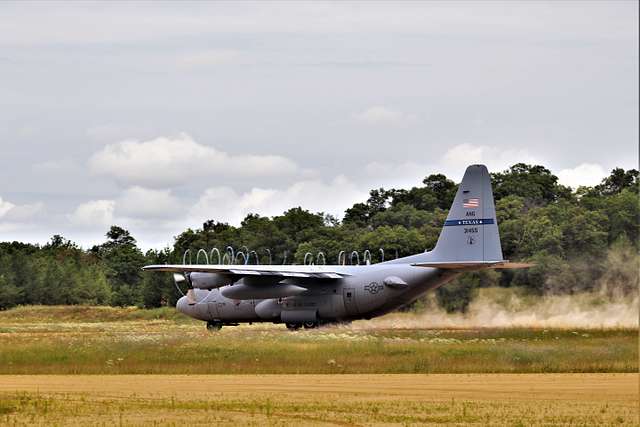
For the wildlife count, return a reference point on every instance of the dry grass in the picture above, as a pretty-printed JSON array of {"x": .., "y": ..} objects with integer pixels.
[
  {"x": 73, "y": 341},
  {"x": 505, "y": 399},
  {"x": 389, "y": 388},
  {"x": 88, "y": 314}
]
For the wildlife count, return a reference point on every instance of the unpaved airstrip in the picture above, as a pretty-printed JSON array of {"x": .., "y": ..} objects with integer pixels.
[
  {"x": 107, "y": 366},
  {"x": 411, "y": 399}
]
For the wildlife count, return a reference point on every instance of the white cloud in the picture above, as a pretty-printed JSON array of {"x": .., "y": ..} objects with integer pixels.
[
  {"x": 452, "y": 164},
  {"x": 15, "y": 218},
  {"x": 457, "y": 158},
  {"x": 10, "y": 212},
  {"x": 138, "y": 202},
  {"x": 396, "y": 175},
  {"x": 22, "y": 213},
  {"x": 170, "y": 161},
  {"x": 455, "y": 161},
  {"x": 225, "y": 204},
  {"x": 95, "y": 213},
  {"x": 588, "y": 174},
  {"x": 5, "y": 207},
  {"x": 379, "y": 115}
]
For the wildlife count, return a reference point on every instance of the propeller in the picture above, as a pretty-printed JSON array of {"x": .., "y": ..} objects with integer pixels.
[{"x": 179, "y": 279}]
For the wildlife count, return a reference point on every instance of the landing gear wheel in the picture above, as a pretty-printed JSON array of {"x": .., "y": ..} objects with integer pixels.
[
  {"x": 310, "y": 325},
  {"x": 293, "y": 326},
  {"x": 214, "y": 326}
]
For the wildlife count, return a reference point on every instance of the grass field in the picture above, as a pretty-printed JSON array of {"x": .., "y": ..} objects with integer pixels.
[
  {"x": 83, "y": 340},
  {"x": 373, "y": 373}
]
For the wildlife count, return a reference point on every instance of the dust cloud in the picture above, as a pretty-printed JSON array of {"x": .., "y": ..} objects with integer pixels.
[{"x": 501, "y": 308}]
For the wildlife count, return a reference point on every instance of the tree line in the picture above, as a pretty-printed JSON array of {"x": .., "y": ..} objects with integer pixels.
[{"x": 580, "y": 240}]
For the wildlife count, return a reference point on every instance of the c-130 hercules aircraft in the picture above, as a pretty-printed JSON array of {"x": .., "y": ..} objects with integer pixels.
[{"x": 311, "y": 295}]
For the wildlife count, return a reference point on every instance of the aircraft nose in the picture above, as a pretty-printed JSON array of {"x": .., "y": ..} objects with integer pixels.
[{"x": 182, "y": 305}]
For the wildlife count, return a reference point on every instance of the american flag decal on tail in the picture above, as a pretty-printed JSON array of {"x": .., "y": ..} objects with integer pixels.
[{"x": 471, "y": 203}]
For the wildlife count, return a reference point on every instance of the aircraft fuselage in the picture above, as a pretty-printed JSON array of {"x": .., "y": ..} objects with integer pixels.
[
  {"x": 368, "y": 291},
  {"x": 313, "y": 294}
]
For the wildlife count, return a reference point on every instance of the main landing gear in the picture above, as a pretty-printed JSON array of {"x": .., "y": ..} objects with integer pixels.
[
  {"x": 214, "y": 325},
  {"x": 296, "y": 326}
]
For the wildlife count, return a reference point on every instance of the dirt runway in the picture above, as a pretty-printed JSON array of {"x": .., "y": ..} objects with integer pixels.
[
  {"x": 345, "y": 400},
  {"x": 617, "y": 387}
]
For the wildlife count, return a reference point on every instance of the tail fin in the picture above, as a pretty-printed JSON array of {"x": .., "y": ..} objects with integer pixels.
[{"x": 470, "y": 233}]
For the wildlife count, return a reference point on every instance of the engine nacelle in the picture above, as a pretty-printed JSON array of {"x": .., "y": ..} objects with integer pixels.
[
  {"x": 242, "y": 291},
  {"x": 209, "y": 280}
]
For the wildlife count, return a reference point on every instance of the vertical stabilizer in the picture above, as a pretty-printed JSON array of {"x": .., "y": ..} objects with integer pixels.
[{"x": 470, "y": 232}]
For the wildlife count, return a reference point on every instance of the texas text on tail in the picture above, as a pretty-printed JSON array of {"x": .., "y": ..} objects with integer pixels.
[{"x": 309, "y": 295}]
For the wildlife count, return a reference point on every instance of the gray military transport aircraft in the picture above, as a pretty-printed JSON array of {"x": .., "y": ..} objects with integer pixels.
[{"x": 312, "y": 295}]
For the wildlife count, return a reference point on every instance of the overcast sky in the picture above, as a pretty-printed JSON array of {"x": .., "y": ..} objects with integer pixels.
[{"x": 158, "y": 116}]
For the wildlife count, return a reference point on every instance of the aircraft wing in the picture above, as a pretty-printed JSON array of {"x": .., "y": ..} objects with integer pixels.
[
  {"x": 284, "y": 271},
  {"x": 474, "y": 265}
]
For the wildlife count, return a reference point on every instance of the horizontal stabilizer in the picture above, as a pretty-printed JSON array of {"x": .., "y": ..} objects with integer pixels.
[{"x": 474, "y": 265}]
